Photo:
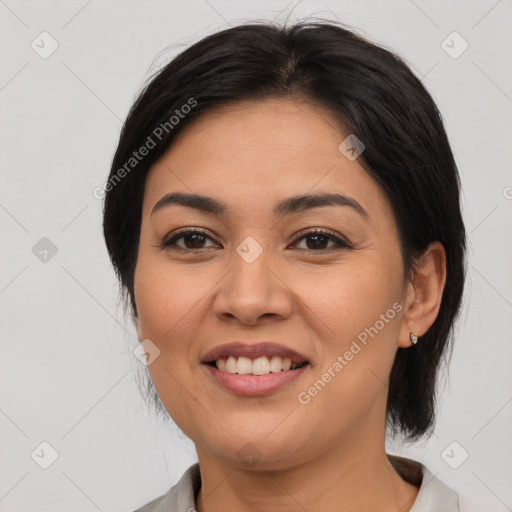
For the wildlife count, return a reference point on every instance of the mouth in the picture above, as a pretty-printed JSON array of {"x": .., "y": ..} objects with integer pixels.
[
  {"x": 259, "y": 358},
  {"x": 254, "y": 369}
]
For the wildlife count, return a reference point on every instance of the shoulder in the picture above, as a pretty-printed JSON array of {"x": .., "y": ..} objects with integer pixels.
[
  {"x": 180, "y": 497},
  {"x": 433, "y": 494}
]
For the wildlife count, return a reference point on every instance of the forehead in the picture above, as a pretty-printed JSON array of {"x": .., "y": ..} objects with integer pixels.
[{"x": 252, "y": 154}]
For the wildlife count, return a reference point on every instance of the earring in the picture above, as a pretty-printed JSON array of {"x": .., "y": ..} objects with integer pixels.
[{"x": 414, "y": 338}]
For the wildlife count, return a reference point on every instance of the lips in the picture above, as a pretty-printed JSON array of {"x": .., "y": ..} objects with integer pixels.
[
  {"x": 254, "y": 368},
  {"x": 253, "y": 351}
]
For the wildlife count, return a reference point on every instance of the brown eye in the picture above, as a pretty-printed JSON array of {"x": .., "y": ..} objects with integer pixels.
[
  {"x": 317, "y": 240},
  {"x": 192, "y": 239}
]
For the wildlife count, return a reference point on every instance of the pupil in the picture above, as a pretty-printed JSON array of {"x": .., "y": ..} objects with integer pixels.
[
  {"x": 315, "y": 245},
  {"x": 197, "y": 239}
]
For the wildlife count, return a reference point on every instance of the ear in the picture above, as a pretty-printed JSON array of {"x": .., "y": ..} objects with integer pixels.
[{"x": 423, "y": 294}]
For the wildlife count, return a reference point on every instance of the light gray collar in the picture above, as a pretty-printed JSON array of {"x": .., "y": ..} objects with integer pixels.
[{"x": 433, "y": 495}]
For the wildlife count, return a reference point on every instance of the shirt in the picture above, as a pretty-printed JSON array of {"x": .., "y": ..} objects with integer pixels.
[{"x": 433, "y": 496}]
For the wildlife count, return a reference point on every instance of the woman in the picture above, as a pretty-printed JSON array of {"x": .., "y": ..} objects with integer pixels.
[{"x": 283, "y": 215}]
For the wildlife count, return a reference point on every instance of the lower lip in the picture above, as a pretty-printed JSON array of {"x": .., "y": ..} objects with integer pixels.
[{"x": 254, "y": 385}]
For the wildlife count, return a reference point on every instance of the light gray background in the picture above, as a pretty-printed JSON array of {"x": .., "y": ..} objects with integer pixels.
[{"x": 67, "y": 373}]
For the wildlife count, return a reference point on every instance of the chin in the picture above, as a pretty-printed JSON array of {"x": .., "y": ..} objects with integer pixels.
[{"x": 254, "y": 451}]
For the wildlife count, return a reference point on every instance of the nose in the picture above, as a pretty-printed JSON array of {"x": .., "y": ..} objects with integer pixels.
[{"x": 252, "y": 291}]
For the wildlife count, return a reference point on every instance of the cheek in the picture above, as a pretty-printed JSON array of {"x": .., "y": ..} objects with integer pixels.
[
  {"x": 170, "y": 311},
  {"x": 349, "y": 297},
  {"x": 168, "y": 297},
  {"x": 357, "y": 316}
]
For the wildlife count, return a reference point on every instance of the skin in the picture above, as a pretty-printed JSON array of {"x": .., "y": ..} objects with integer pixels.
[{"x": 327, "y": 455}]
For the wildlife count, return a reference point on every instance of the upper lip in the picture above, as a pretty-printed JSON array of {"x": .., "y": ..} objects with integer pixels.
[{"x": 252, "y": 351}]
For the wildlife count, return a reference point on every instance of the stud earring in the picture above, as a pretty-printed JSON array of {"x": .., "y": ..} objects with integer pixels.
[{"x": 414, "y": 338}]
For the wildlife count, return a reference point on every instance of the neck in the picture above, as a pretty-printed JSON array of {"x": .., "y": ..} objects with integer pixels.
[{"x": 346, "y": 479}]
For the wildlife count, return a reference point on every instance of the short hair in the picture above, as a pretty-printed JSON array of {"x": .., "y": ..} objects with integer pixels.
[{"x": 374, "y": 95}]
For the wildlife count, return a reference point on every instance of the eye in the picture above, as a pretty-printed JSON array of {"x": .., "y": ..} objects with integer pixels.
[
  {"x": 195, "y": 239},
  {"x": 192, "y": 239},
  {"x": 319, "y": 238}
]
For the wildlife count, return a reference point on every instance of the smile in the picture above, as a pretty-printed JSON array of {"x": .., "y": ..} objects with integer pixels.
[
  {"x": 258, "y": 366},
  {"x": 250, "y": 384}
]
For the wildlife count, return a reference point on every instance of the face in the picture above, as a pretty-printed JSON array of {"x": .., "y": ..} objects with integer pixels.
[{"x": 323, "y": 279}]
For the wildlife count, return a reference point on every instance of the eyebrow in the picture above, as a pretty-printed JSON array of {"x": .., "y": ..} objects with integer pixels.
[{"x": 286, "y": 206}]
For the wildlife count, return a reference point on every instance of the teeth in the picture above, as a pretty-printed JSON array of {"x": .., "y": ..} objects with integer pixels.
[
  {"x": 260, "y": 366},
  {"x": 275, "y": 364},
  {"x": 244, "y": 366},
  {"x": 230, "y": 365}
]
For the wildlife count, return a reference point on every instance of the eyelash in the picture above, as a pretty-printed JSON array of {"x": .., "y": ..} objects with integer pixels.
[{"x": 170, "y": 244}]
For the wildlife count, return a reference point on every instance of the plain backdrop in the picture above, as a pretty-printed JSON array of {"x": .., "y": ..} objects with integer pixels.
[{"x": 67, "y": 372}]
